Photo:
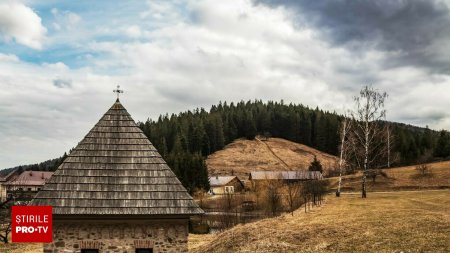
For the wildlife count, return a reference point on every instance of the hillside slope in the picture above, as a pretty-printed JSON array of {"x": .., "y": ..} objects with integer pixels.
[
  {"x": 384, "y": 222},
  {"x": 400, "y": 178},
  {"x": 243, "y": 156}
]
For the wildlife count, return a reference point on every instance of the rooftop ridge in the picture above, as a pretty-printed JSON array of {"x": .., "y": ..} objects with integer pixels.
[{"x": 102, "y": 162}]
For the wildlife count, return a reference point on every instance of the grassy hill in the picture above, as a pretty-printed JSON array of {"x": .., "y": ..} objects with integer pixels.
[
  {"x": 384, "y": 222},
  {"x": 401, "y": 178},
  {"x": 243, "y": 156}
]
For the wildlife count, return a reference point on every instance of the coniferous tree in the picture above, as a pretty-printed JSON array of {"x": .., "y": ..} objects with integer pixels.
[
  {"x": 184, "y": 139},
  {"x": 443, "y": 145},
  {"x": 315, "y": 165}
]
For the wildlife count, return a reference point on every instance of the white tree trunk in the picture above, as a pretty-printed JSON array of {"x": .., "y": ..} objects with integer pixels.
[
  {"x": 388, "y": 147},
  {"x": 366, "y": 155},
  {"x": 341, "y": 156}
]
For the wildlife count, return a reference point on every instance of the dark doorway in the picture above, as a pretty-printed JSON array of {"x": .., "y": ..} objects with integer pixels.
[
  {"x": 144, "y": 250},
  {"x": 89, "y": 251}
]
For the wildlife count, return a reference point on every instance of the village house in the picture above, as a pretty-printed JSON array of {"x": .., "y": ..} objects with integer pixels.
[
  {"x": 5, "y": 178},
  {"x": 31, "y": 181},
  {"x": 225, "y": 184},
  {"x": 264, "y": 177},
  {"x": 115, "y": 193}
]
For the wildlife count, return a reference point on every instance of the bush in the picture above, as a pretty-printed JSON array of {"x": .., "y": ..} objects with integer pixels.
[{"x": 423, "y": 170}]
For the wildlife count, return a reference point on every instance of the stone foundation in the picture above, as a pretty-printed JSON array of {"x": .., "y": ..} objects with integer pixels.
[{"x": 119, "y": 236}]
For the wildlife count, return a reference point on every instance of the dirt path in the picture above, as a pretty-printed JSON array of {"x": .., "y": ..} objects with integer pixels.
[{"x": 273, "y": 153}]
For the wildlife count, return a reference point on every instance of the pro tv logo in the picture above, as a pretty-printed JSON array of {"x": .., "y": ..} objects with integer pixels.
[{"x": 31, "y": 224}]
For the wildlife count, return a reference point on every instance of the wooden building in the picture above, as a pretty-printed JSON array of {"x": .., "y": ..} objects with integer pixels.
[
  {"x": 264, "y": 177},
  {"x": 27, "y": 184},
  {"x": 6, "y": 177},
  {"x": 225, "y": 184},
  {"x": 114, "y": 193}
]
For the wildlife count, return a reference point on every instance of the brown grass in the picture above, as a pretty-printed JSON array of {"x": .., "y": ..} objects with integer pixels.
[
  {"x": 21, "y": 247},
  {"x": 384, "y": 222},
  {"x": 402, "y": 178},
  {"x": 243, "y": 156}
]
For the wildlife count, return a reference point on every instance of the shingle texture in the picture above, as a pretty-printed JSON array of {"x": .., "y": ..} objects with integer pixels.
[{"x": 115, "y": 170}]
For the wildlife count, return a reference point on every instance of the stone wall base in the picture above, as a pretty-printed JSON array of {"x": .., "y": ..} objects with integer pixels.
[{"x": 119, "y": 236}]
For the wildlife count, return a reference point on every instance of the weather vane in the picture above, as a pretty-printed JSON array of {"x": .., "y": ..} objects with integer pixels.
[{"x": 118, "y": 91}]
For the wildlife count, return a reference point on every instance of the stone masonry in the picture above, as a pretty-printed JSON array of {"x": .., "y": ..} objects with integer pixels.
[{"x": 119, "y": 236}]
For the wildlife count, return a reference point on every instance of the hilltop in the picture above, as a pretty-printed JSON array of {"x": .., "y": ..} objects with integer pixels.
[
  {"x": 276, "y": 154},
  {"x": 185, "y": 139}
]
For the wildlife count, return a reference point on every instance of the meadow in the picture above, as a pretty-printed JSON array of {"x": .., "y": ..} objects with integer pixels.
[{"x": 403, "y": 221}]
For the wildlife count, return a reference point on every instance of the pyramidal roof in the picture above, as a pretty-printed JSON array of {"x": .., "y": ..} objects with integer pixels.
[{"x": 115, "y": 170}]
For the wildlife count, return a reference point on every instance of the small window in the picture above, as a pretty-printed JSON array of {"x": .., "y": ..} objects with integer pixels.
[
  {"x": 144, "y": 250},
  {"x": 229, "y": 189},
  {"x": 39, "y": 188},
  {"x": 89, "y": 251},
  {"x": 29, "y": 189}
]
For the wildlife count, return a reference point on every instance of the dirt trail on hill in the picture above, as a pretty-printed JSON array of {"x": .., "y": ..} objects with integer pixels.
[
  {"x": 243, "y": 156},
  {"x": 273, "y": 153}
]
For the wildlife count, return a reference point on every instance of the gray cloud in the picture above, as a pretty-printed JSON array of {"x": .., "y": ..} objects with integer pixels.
[
  {"x": 317, "y": 54},
  {"x": 412, "y": 31},
  {"x": 62, "y": 83}
]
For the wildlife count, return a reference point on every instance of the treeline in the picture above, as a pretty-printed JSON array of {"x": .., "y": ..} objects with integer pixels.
[
  {"x": 185, "y": 139},
  {"x": 443, "y": 145},
  {"x": 49, "y": 165}
]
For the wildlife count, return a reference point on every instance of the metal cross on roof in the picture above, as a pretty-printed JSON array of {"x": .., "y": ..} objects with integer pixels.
[{"x": 118, "y": 91}]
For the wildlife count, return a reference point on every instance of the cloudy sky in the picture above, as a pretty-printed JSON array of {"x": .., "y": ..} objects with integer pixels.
[{"x": 60, "y": 61}]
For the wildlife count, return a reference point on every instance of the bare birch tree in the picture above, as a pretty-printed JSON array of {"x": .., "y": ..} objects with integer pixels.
[
  {"x": 343, "y": 149},
  {"x": 368, "y": 132},
  {"x": 390, "y": 140}
]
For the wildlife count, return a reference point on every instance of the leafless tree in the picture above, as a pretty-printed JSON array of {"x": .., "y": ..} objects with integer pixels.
[
  {"x": 390, "y": 140},
  {"x": 293, "y": 194},
  {"x": 374, "y": 173},
  {"x": 343, "y": 149},
  {"x": 368, "y": 132},
  {"x": 227, "y": 216},
  {"x": 15, "y": 195},
  {"x": 200, "y": 194},
  {"x": 5, "y": 221},
  {"x": 5, "y": 214},
  {"x": 273, "y": 199},
  {"x": 423, "y": 170},
  {"x": 312, "y": 192}
]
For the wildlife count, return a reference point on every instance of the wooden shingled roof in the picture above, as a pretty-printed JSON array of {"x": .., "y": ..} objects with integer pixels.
[{"x": 115, "y": 170}]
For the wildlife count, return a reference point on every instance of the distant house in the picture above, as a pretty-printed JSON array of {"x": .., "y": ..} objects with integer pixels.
[
  {"x": 225, "y": 184},
  {"x": 258, "y": 177},
  {"x": 5, "y": 178},
  {"x": 28, "y": 182}
]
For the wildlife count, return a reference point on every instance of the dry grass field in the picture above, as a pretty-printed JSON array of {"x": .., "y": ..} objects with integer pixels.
[
  {"x": 393, "y": 221},
  {"x": 243, "y": 156},
  {"x": 414, "y": 221},
  {"x": 21, "y": 248},
  {"x": 402, "y": 178}
]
